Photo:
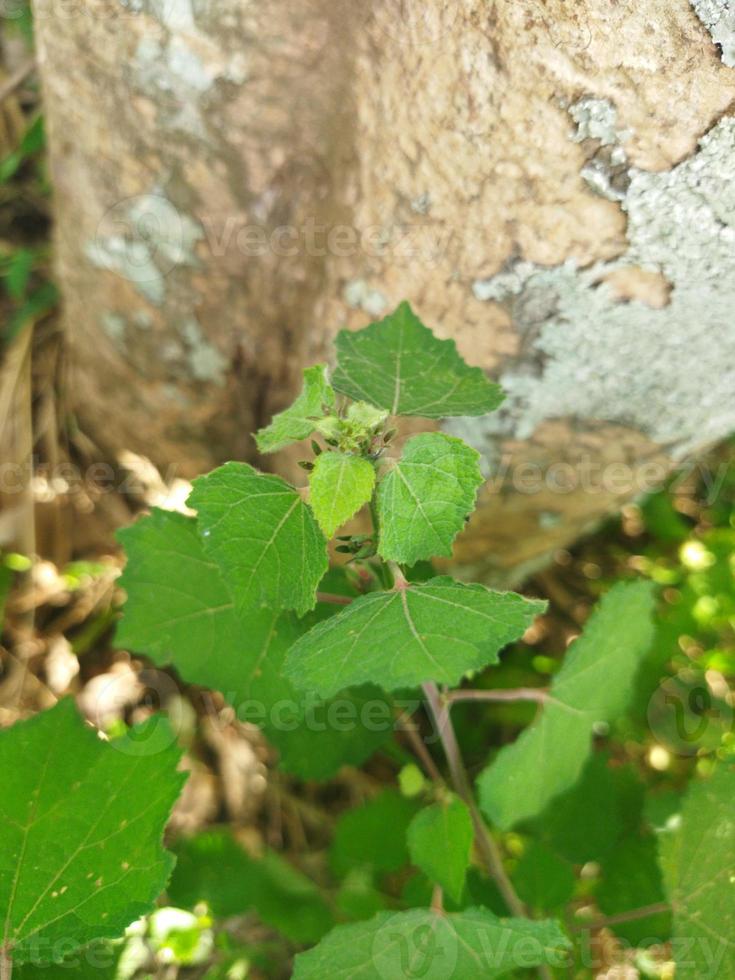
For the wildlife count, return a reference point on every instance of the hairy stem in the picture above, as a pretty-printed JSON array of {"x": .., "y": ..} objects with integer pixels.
[
  {"x": 485, "y": 843},
  {"x": 537, "y": 694},
  {"x": 613, "y": 920},
  {"x": 6, "y": 965},
  {"x": 334, "y": 600}
]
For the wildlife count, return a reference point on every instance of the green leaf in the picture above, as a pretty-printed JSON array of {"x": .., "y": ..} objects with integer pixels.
[
  {"x": 421, "y": 943},
  {"x": 340, "y": 485},
  {"x": 262, "y": 535},
  {"x": 425, "y": 500},
  {"x": 438, "y": 631},
  {"x": 543, "y": 880},
  {"x": 179, "y": 612},
  {"x": 81, "y": 853},
  {"x": 298, "y": 422},
  {"x": 583, "y": 823},
  {"x": 360, "y": 838},
  {"x": 399, "y": 365},
  {"x": 440, "y": 843},
  {"x": 631, "y": 879},
  {"x": 594, "y": 686},
  {"x": 213, "y": 868},
  {"x": 698, "y": 862}
]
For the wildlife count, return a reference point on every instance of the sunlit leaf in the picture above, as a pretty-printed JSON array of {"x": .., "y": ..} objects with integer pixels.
[
  {"x": 263, "y": 537},
  {"x": 698, "y": 862},
  {"x": 81, "y": 853},
  {"x": 433, "y": 632},
  {"x": 298, "y": 422},
  {"x": 341, "y": 484},
  {"x": 463, "y": 946},
  {"x": 399, "y": 365},
  {"x": 594, "y": 685},
  {"x": 424, "y": 501}
]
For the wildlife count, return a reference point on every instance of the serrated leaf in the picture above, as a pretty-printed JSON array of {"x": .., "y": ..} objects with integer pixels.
[
  {"x": 399, "y": 365},
  {"x": 594, "y": 685},
  {"x": 180, "y": 613},
  {"x": 298, "y": 422},
  {"x": 421, "y": 943},
  {"x": 424, "y": 501},
  {"x": 438, "y": 631},
  {"x": 440, "y": 843},
  {"x": 263, "y": 537},
  {"x": 213, "y": 868},
  {"x": 698, "y": 863},
  {"x": 340, "y": 485},
  {"x": 81, "y": 853}
]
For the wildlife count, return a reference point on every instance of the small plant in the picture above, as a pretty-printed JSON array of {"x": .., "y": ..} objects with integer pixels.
[{"x": 241, "y": 599}]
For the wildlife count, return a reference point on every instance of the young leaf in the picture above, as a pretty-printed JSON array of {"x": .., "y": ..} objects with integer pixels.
[
  {"x": 422, "y": 943},
  {"x": 213, "y": 868},
  {"x": 399, "y": 365},
  {"x": 424, "y": 501},
  {"x": 262, "y": 535},
  {"x": 340, "y": 485},
  {"x": 594, "y": 685},
  {"x": 698, "y": 863},
  {"x": 179, "y": 612},
  {"x": 298, "y": 422},
  {"x": 440, "y": 843},
  {"x": 438, "y": 631},
  {"x": 81, "y": 850}
]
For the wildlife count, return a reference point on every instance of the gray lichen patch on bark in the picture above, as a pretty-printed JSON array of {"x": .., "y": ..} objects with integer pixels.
[
  {"x": 142, "y": 240},
  {"x": 718, "y": 16},
  {"x": 667, "y": 372}
]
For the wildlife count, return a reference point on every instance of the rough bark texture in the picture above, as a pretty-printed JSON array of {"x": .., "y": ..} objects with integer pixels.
[{"x": 548, "y": 182}]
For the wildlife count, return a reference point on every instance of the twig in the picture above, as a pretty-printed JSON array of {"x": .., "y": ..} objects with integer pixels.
[
  {"x": 487, "y": 846},
  {"x": 12, "y": 83},
  {"x": 6, "y": 965},
  {"x": 537, "y": 694},
  {"x": 334, "y": 600},
  {"x": 407, "y": 725},
  {"x": 437, "y": 900},
  {"x": 645, "y": 912}
]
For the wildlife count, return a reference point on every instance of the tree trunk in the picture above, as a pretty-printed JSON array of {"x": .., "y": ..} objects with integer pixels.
[{"x": 548, "y": 183}]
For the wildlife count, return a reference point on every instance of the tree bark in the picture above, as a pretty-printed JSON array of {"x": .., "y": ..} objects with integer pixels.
[{"x": 548, "y": 183}]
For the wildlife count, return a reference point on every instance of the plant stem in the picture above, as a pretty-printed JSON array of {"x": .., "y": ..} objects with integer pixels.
[
  {"x": 613, "y": 920},
  {"x": 486, "y": 845},
  {"x": 334, "y": 600},
  {"x": 6, "y": 965},
  {"x": 407, "y": 725},
  {"x": 509, "y": 694}
]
